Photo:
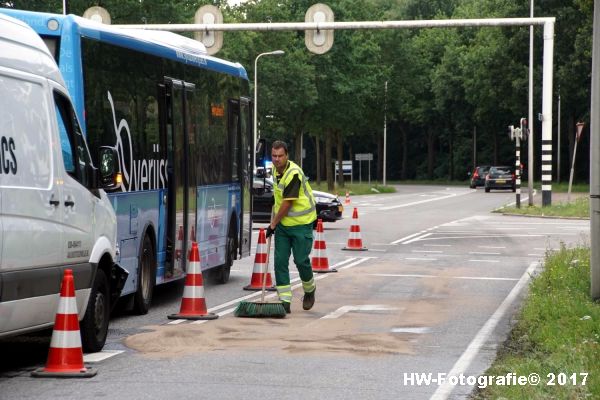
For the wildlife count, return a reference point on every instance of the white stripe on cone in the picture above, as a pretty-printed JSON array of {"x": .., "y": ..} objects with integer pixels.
[
  {"x": 193, "y": 292},
  {"x": 65, "y": 339},
  {"x": 67, "y": 305}
]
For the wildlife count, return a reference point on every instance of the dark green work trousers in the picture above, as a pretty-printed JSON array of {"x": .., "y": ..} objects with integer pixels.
[{"x": 296, "y": 240}]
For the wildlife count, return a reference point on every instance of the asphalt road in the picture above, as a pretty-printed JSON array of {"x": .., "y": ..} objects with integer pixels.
[{"x": 434, "y": 294}]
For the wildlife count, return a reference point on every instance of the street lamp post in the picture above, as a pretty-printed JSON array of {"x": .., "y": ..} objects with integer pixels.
[
  {"x": 276, "y": 52},
  {"x": 384, "y": 134}
]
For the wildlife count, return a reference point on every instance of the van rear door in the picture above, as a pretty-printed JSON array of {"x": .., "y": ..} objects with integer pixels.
[{"x": 31, "y": 209}]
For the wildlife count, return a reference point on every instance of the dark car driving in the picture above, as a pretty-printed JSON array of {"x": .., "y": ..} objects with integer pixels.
[
  {"x": 329, "y": 206},
  {"x": 500, "y": 178},
  {"x": 478, "y": 176}
]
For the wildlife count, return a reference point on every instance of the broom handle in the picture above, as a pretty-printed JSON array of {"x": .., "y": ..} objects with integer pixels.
[{"x": 266, "y": 267}]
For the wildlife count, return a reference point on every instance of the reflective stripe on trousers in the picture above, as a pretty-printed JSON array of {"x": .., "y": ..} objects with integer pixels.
[
  {"x": 308, "y": 286},
  {"x": 285, "y": 293}
]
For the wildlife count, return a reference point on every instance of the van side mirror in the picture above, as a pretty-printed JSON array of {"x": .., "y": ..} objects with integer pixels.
[
  {"x": 261, "y": 152},
  {"x": 109, "y": 176}
]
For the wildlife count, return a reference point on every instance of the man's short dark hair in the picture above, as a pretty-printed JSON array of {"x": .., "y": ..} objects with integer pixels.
[{"x": 280, "y": 144}]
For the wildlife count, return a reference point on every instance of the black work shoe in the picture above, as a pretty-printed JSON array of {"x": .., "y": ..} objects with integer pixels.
[
  {"x": 308, "y": 300},
  {"x": 287, "y": 306}
]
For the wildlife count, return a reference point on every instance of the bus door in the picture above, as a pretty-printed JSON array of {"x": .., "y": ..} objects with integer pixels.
[
  {"x": 174, "y": 128},
  {"x": 246, "y": 174}
]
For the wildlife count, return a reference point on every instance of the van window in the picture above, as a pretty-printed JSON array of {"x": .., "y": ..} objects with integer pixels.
[
  {"x": 76, "y": 156},
  {"x": 25, "y": 133},
  {"x": 65, "y": 143}
]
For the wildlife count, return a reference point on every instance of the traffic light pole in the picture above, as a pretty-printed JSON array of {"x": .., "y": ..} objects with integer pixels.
[{"x": 547, "y": 67}]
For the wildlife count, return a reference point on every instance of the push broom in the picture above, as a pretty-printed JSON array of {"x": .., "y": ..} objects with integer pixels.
[{"x": 262, "y": 308}]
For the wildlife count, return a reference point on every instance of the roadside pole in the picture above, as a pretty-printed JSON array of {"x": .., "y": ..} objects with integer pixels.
[
  {"x": 518, "y": 169},
  {"x": 595, "y": 159},
  {"x": 577, "y": 136}
]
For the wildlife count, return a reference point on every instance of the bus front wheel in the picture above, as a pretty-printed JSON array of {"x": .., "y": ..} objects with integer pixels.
[
  {"x": 223, "y": 272},
  {"x": 146, "y": 278}
]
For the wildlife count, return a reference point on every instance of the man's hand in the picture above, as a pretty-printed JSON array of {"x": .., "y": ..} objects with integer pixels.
[{"x": 270, "y": 231}]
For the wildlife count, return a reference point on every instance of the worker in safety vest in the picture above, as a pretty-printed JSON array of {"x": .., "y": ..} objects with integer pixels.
[{"x": 292, "y": 224}]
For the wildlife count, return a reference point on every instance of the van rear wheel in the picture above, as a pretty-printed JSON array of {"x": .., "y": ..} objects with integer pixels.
[
  {"x": 94, "y": 326},
  {"x": 146, "y": 278}
]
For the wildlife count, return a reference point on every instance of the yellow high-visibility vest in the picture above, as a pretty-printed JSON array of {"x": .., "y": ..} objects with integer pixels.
[{"x": 303, "y": 210}]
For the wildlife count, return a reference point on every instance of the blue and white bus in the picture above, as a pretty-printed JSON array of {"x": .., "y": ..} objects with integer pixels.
[{"x": 180, "y": 122}]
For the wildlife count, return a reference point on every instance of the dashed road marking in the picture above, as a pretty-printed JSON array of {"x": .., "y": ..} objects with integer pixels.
[
  {"x": 101, "y": 355},
  {"x": 367, "y": 307},
  {"x": 348, "y": 263}
]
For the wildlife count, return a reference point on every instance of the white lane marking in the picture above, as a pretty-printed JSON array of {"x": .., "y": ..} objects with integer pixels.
[
  {"x": 418, "y": 238},
  {"x": 427, "y": 251},
  {"x": 485, "y": 253},
  {"x": 346, "y": 264},
  {"x": 461, "y": 365},
  {"x": 424, "y": 201},
  {"x": 407, "y": 237},
  {"x": 430, "y": 229},
  {"x": 471, "y": 237},
  {"x": 101, "y": 355},
  {"x": 490, "y": 261},
  {"x": 354, "y": 264},
  {"x": 346, "y": 309},
  {"x": 420, "y": 259},
  {"x": 270, "y": 295},
  {"x": 380, "y": 250},
  {"x": 492, "y": 247},
  {"x": 416, "y": 329},
  {"x": 474, "y": 278}
]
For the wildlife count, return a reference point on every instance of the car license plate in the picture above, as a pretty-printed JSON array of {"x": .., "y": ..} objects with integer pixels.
[
  {"x": 341, "y": 209},
  {"x": 500, "y": 181}
]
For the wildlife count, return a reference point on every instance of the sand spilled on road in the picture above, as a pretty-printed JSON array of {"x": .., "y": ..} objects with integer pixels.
[{"x": 354, "y": 333}]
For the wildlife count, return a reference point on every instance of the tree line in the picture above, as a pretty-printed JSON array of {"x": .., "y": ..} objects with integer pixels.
[{"x": 451, "y": 92}]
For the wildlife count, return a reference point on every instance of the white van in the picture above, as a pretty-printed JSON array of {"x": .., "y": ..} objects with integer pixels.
[{"x": 53, "y": 213}]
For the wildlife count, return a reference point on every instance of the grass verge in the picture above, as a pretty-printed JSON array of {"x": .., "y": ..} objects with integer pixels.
[
  {"x": 579, "y": 208},
  {"x": 557, "y": 332}
]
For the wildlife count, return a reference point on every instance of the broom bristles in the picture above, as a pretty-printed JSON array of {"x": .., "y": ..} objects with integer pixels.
[{"x": 250, "y": 309}]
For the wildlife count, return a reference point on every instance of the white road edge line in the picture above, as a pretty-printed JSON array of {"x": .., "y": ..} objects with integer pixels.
[
  {"x": 474, "y": 278},
  {"x": 461, "y": 365}
]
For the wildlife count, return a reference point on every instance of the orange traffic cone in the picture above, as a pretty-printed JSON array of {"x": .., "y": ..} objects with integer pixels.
[
  {"x": 193, "y": 304},
  {"x": 65, "y": 357},
  {"x": 354, "y": 239},
  {"x": 260, "y": 267},
  {"x": 347, "y": 201},
  {"x": 319, "y": 261}
]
